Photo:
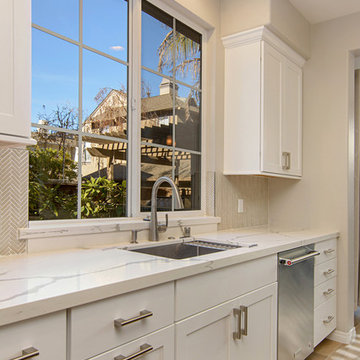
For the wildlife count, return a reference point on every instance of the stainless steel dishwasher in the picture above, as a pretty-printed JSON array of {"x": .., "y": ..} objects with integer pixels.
[{"x": 296, "y": 303}]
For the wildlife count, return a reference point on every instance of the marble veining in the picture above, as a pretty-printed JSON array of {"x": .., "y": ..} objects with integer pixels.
[{"x": 32, "y": 285}]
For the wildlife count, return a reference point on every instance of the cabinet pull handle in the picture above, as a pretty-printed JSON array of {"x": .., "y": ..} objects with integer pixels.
[
  {"x": 244, "y": 309},
  {"x": 143, "y": 315},
  {"x": 145, "y": 348},
  {"x": 286, "y": 162},
  {"x": 237, "y": 334},
  {"x": 27, "y": 354},
  {"x": 330, "y": 271},
  {"x": 328, "y": 320},
  {"x": 328, "y": 292},
  {"x": 329, "y": 251},
  {"x": 238, "y": 312}
]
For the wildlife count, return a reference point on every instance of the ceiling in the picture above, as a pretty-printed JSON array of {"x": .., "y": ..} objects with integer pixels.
[{"x": 316, "y": 11}]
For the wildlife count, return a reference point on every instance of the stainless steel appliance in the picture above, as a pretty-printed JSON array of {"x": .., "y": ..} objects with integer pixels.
[{"x": 296, "y": 303}]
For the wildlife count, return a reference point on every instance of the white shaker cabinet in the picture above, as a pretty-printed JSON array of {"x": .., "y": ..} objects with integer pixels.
[
  {"x": 263, "y": 106},
  {"x": 15, "y": 72},
  {"x": 243, "y": 328},
  {"x": 40, "y": 338}
]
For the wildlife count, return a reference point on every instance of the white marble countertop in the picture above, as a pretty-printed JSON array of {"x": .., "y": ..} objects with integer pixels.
[{"x": 32, "y": 285}]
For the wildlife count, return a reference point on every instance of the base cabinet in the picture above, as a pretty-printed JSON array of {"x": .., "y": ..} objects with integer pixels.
[
  {"x": 45, "y": 335},
  {"x": 155, "y": 346},
  {"x": 243, "y": 328}
]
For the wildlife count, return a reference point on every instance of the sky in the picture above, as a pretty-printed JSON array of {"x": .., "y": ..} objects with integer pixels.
[{"x": 55, "y": 62}]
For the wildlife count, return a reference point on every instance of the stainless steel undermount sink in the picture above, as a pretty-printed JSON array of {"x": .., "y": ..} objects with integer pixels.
[{"x": 184, "y": 250}]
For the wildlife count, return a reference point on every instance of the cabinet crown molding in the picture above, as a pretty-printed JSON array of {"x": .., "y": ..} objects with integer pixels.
[{"x": 262, "y": 33}]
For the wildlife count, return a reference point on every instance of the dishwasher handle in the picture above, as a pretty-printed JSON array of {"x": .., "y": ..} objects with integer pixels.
[{"x": 294, "y": 261}]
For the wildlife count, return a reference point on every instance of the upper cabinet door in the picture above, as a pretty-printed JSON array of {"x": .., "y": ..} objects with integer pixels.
[
  {"x": 271, "y": 91},
  {"x": 15, "y": 69},
  {"x": 291, "y": 122}
]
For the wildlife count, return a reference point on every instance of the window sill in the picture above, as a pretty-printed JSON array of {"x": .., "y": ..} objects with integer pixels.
[{"x": 95, "y": 226}]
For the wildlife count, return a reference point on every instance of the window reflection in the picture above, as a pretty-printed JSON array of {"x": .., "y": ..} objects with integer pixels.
[
  {"x": 61, "y": 17},
  {"x": 53, "y": 176},
  {"x": 104, "y": 96},
  {"x": 105, "y": 26},
  {"x": 103, "y": 186}
]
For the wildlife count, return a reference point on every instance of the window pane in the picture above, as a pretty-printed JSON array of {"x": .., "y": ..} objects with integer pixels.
[
  {"x": 188, "y": 119},
  {"x": 155, "y": 162},
  {"x": 156, "y": 109},
  {"x": 104, "y": 174},
  {"x": 53, "y": 176},
  {"x": 187, "y": 55},
  {"x": 61, "y": 17},
  {"x": 104, "y": 96},
  {"x": 156, "y": 39},
  {"x": 54, "y": 81},
  {"x": 188, "y": 179},
  {"x": 105, "y": 26}
]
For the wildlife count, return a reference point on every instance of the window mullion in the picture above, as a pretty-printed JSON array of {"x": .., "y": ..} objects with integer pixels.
[{"x": 134, "y": 123}]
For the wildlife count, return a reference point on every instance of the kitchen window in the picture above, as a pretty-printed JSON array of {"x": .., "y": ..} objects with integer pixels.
[{"x": 109, "y": 122}]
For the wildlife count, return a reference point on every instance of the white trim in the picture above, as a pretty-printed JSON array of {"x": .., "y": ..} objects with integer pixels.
[
  {"x": 96, "y": 226},
  {"x": 357, "y": 62},
  {"x": 262, "y": 33},
  {"x": 343, "y": 337},
  {"x": 9, "y": 140}
]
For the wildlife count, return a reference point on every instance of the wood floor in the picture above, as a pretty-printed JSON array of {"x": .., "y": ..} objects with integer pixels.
[{"x": 332, "y": 350}]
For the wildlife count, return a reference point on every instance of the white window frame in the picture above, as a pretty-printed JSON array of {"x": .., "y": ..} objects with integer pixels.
[{"x": 134, "y": 126}]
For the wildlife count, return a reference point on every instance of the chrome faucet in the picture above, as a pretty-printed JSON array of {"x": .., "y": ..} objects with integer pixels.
[{"x": 155, "y": 228}]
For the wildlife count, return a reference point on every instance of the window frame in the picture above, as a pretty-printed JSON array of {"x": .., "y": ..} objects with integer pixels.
[{"x": 133, "y": 198}]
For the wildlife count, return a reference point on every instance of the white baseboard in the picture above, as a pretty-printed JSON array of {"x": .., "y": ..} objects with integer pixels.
[{"x": 343, "y": 337}]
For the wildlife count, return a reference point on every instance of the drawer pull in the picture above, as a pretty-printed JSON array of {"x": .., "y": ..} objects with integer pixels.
[
  {"x": 329, "y": 251},
  {"x": 143, "y": 350},
  {"x": 328, "y": 320},
  {"x": 27, "y": 354},
  {"x": 328, "y": 292},
  {"x": 330, "y": 271},
  {"x": 143, "y": 315}
]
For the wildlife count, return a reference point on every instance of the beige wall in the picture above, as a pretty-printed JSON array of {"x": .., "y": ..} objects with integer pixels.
[
  {"x": 279, "y": 15},
  {"x": 321, "y": 198},
  {"x": 290, "y": 25},
  {"x": 240, "y": 15}
]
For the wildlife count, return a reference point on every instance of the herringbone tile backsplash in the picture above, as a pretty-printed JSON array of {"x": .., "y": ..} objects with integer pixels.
[{"x": 14, "y": 165}]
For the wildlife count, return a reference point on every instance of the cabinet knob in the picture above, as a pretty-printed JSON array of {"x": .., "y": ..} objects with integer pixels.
[{"x": 27, "y": 354}]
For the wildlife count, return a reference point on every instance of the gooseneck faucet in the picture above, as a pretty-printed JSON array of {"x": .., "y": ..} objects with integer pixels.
[{"x": 154, "y": 226}]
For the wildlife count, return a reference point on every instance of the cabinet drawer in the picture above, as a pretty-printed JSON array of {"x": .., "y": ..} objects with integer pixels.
[
  {"x": 325, "y": 291},
  {"x": 197, "y": 293},
  {"x": 97, "y": 320},
  {"x": 161, "y": 342},
  {"x": 324, "y": 320},
  {"x": 327, "y": 251},
  {"x": 47, "y": 334},
  {"x": 325, "y": 271}
]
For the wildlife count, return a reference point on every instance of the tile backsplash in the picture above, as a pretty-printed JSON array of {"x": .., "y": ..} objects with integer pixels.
[
  {"x": 252, "y": 189},
  {"x": 14, "y": 165}
]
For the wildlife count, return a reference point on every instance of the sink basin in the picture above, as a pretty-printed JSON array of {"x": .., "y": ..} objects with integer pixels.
[{"x": 184, "y": 250}]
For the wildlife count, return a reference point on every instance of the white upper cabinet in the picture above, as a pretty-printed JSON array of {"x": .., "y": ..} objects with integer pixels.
[
  {"x": 263, "y": 106},
  {"x": 15, "y": 72}
]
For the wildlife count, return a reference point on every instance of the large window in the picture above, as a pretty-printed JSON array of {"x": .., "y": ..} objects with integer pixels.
[{"x": 83, "y": 78}]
